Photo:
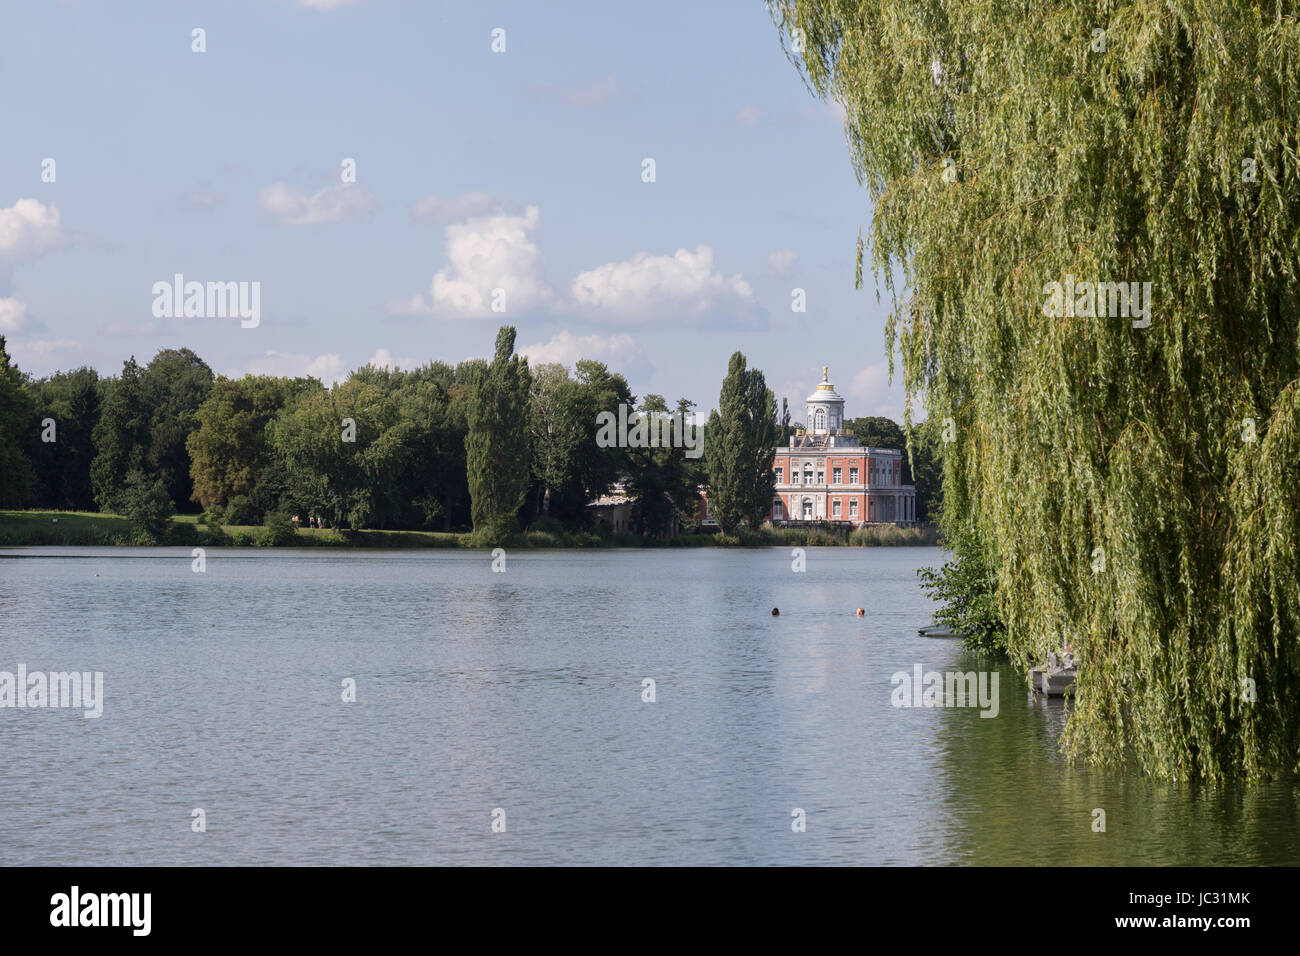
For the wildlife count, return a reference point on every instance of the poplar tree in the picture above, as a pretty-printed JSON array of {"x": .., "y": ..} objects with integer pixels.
[
  {"x": 1133, "y": 480},
  {"x": 497, "y": 446},
  {"x": 742, "y": 435}
]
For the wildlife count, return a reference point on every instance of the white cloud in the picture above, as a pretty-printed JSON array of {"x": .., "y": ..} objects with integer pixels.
[
  {"x": 871, "y": 394},
  {"x": 488, "y": 253},
  {"x": 749, "y": 115},
  {"x": 201, "y": 199},
  {"x": 331, "y": 204},
  {"x": 565, "y": 348},
  {"x": 469, "y": 206},
  {"x": 415, "y": 305},
  {"x": 781, "y": 261},
  {"x": 683, "y": 286},
  {"x": 583, "y": 96},
  {"x": 29, "y": 227},
  {"x": 11, "y": 315},
  {"x": 25, "y": 349},
  {"x": 327, "y": 368},
  {"x": 383, "y": 358}
]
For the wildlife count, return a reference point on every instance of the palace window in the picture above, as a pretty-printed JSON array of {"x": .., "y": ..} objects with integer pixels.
[
  {"x": 835, "y": 508},
  {"x": 835, "y": 476},
  {"x": 807, "y": 474},
  {"x": 853, "y": 476},
  {"x": 853, "y": 508},
  {"x": 821, "y": 477},
  {"x": 777, "y": 510},
  {"x": 780, "y": 475}
]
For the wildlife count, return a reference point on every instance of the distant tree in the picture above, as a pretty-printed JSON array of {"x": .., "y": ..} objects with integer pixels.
[
  {"x": 497, "y": 445},
  {"x": 174, "y": 385},
  {"x": 925, "y": 468},
  {"x": 16, "y": 476},
  {"x": 557, "y": 431},
  {"x": 742, "y": 438},
  {"x": 121, "y": 436},
  {"x": 228, "y": 449},
  {"x": 600, "y": 390},
  {"x": 662, "y": 481},
  {"x": 877, "y": 432},
  {"x": 339, "y": 448},
  {"x": 143, "y": 501},
  {"x": 71, "y": 400}
]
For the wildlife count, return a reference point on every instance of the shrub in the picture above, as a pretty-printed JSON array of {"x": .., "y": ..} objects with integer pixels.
[
  {"x": 147, "y": 506},
  {"x": 278, "y": 530},
  {"x": 239, "y": 510},
  {"x": 966, "y": 587},
  {"x": 545, "y": 524}
]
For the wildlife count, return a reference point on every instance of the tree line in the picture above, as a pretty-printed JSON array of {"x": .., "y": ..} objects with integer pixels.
[{"x": 489, "y": 445}]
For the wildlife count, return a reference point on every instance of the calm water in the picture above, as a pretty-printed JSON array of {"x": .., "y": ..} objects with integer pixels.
[{"x": 523, "y": 691}]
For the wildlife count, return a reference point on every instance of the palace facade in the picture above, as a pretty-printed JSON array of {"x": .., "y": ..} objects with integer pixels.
[{"x": 826, "y": 474}]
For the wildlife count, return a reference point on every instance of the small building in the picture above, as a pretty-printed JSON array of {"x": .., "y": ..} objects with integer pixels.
[{"x": 613, "y": 510}]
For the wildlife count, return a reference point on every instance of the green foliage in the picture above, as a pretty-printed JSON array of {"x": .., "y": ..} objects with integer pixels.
[
  {"x": 663, "y": 481},
  {"x": 925, "y": 468},
  {"x": 145, "y": 503},
  {"x": 71, "y": 400},
  {"x": 278, "y": 529},
  {"x": 742, "y": 439},
  {"x": 497, "y": 445},
  {"x": 121, "y": 436},
  {"x": 877, "y": 432},
  {"x": 383, "y": 449},
  {"x": 228, "y": 447},
  {"x": 173, "y": 386},
  {"x": 240, "y": 511},
  {"x": 966, "y": 587},
  {"x": 1005, "y": 149},
  {"x": 16, "y": 478}
]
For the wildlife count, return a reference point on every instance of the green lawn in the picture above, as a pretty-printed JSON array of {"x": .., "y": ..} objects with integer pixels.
[{"x": 19, "y": 528}]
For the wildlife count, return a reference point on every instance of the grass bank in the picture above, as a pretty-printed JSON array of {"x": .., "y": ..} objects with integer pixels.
[{"x": 72, "y": 528}]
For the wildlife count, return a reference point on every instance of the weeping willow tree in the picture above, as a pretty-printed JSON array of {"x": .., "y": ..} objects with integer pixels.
[{"x": 1130, "y": 458}]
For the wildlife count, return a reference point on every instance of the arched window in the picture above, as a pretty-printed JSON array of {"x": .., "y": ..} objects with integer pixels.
[{"x": 819, "y": 420}]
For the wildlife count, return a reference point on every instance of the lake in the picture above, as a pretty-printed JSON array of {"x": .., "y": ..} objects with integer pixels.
[{"x": 522, "y": 692}]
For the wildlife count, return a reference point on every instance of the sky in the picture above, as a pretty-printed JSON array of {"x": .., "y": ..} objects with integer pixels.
[{"x": 520, "y": 169}]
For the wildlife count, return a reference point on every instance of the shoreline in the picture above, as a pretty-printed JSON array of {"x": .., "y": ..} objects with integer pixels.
[{"x": 91, "y": 529}]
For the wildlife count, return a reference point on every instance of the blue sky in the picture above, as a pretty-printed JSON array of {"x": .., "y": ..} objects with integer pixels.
[{"x": 475, "y": 170}]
